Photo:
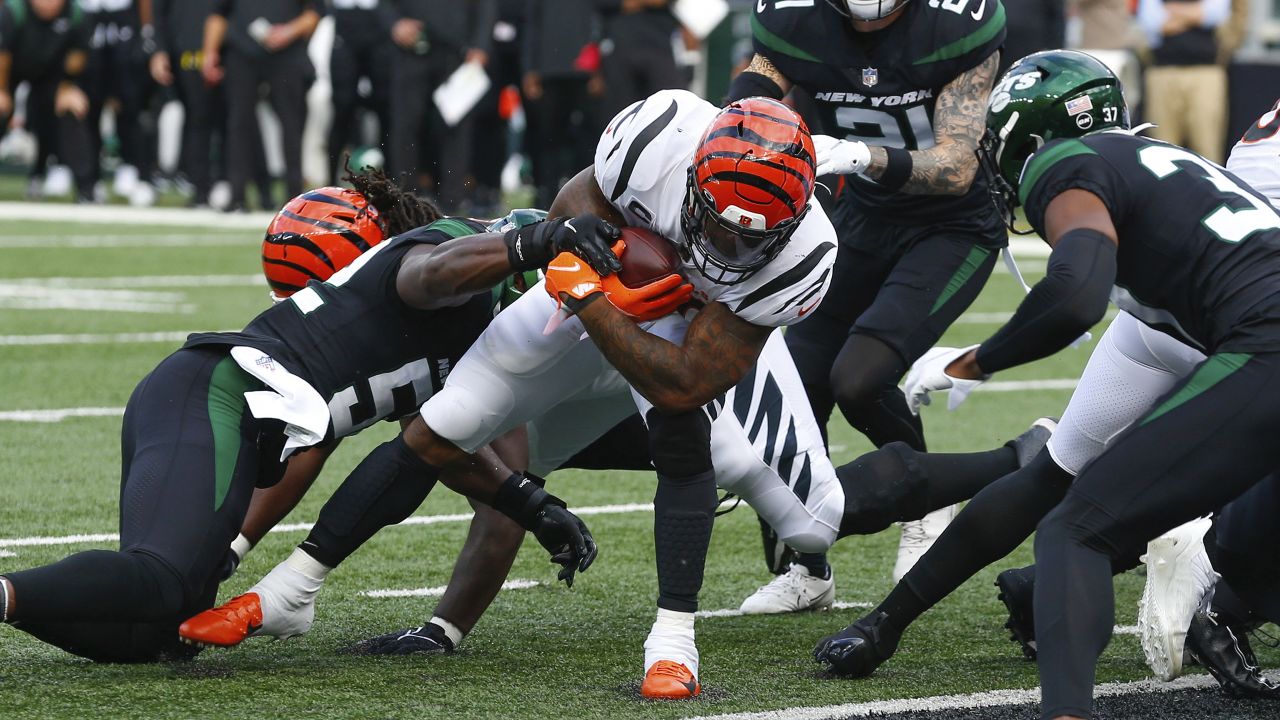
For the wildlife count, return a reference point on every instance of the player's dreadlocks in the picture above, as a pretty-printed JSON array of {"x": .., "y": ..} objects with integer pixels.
[{"x": 401, "y": 211}]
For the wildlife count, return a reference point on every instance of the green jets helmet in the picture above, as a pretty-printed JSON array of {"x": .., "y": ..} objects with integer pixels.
[
  {"x": 1044, "y": 97},
  {"x": 510, "y": 290}
]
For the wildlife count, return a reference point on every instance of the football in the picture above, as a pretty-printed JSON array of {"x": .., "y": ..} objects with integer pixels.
[{"x": 647, "y": 257}]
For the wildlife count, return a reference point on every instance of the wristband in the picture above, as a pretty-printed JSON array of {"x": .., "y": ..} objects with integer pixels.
[
  {"x": 521, "y": 497},
  {"x": 529, "y": 247},
  {"x": 897, "y": 169},
  {"x": 752, "y": 84}
]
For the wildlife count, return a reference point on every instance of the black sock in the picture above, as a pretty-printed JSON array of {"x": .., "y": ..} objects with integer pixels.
[
  {"x": 989, "y": 527},
  {"x": 903, "y": 606},
  {"x": 384, "y": 489},
  {"x": 815, "y": 563},
  {"x": 684, "y": 510}
]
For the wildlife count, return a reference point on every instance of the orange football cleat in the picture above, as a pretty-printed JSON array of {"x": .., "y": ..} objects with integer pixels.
[
  {"x": 669, "y": 680},
  {"x": 226, "y": 625}
]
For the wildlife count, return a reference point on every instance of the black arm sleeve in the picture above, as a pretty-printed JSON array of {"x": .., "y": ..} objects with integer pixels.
[
  {"x": 1070, "y": 299},
  {"x": 752, "y": 84}
]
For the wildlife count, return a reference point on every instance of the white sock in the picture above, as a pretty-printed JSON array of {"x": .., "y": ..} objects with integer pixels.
[
  {"x": 307, "y": 565},
  {"x": 674, "y": 619},
  {"x": 451, "y": 631},
  {"x": 4, "y": 599},
  {"x": 672, "y": 638}
]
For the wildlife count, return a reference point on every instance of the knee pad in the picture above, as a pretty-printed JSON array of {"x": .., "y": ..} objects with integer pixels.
[
  {"x": 880, "y": 488},
  {"x": 680, "y": 443}
]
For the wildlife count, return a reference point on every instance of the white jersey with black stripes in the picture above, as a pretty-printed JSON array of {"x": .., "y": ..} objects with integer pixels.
[
  {"x": 642, "y": 164},
  {"x": 1256, "y": 158}
]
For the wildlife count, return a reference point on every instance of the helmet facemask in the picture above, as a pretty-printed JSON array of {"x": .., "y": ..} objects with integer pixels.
[
  {"x": 867, "y": 10},
  {"x": 724, "y": 247}
]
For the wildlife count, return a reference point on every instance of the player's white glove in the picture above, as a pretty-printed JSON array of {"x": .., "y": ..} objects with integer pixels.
[
  {"x": 841, "y": 157},
  {"x": 929, "y": 374}
]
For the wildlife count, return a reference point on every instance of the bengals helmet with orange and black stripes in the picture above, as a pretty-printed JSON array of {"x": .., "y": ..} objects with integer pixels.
[
  {"x": 748, "y": 189},
  {"x": 315, "y": 235}
]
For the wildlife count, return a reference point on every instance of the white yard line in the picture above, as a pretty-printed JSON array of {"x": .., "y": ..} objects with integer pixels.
[
  {"x": 17, "y": 242},
  {"x": 58, "y": 415},
  {"x": 121, "y": 215},
  {"x": 621, "y": 509},
  {"x": 141, "y": 281},
  {"x": 438, "y": 591},
  {"x": 98, "y": 338},
  {"x": 994, "y": 698},
  {"x": 1020, "y": 385}
]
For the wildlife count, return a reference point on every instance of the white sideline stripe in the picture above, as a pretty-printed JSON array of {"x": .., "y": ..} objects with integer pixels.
[
  {"x": 998, "y": 318},
  {"x": 1020, "y": 385},
  {"x": 6, "y": 553},
  {"x": 98, "y": 338},
  {"x": 52, "y": 416},
  {"x": 438, "y": 591},
  {"x": 295, "y": 527},
  {"x": 141, "y": 281},
  {"x": 993, "y": 698},
  {"x": 735, "y": 612},
  {"x": 122, "y": 215},
  {"x": 127, "y": 241}
]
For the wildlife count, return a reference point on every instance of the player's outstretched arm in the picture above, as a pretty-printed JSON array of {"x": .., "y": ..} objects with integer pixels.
[
  {"x": 949, "y": 167},
  {"x": 1071, "y": 298},
  {"x": 719, "y": 348}
]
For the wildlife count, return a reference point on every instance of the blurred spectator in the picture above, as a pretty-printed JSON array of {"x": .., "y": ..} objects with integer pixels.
[
  {"x": 117, "y": 71},
  {"x": 1186, "y": 87},
  {"x": 265, "y": 43},
  {"x": 176, "y": 63},
  {"x": 45, "y": 43},
  {"x": 561, "y": 83},
  {"x": 1107, "y": 25},
  {"x": 490, "y": 145},
  {"x": 637, "y": 57},
  {"x": 1034, "y": 25},
  {"x": 360, "y": 50},
  {"x": 433, "y": 38}
]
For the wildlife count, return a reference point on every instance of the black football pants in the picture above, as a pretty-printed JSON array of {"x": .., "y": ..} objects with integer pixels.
[
  {"x": 192, "y": 455},
  {"x": 1206, "y": 442}
]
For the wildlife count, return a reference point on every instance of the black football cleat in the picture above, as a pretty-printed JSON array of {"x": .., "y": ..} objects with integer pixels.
[
  {"x": 1226, "y": 654},
  {"x": 1017, "y": 592},
  {"x": 859, "y": 649},
  {"x": 429, "y": 639}
]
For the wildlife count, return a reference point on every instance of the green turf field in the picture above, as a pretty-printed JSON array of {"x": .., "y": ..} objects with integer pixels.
[{"x": 542, "y": 652}]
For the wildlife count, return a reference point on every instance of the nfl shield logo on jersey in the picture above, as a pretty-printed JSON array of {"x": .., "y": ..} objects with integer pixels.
[{"x": 870, "y": 77}]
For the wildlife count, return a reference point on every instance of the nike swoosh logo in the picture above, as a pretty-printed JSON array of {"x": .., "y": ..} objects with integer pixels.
[
  {"x": 805, "y": 311},
  {"x": 569, "y": 223},
  {"x": 690, "y": 685},
  {"x": 567, "y": 268},
  {"x": 977, "y": 14},
  {"x": 252, "y": 629},
  {"x": 760, "y": 6}
]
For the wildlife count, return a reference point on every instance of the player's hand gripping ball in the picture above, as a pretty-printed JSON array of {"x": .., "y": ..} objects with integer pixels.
[{"x": 646, "y": 288}]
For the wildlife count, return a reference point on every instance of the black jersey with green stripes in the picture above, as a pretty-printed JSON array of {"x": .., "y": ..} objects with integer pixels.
[
  {"x": 369, "y": 355},
  {"x": 1199, "y": 250},
  {"x": 882, "y": 87}
]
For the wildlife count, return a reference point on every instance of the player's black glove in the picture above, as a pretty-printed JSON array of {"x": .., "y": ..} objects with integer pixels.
[
  {"x": 561, "y": 532},
  {"x": 429, "y": 639},
  {"x": 587, "y": 236}
]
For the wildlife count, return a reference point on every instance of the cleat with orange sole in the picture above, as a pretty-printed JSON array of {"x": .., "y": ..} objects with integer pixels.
[
  {"x": 669, "y": 680},
  {"x": 226, "y": 625}
]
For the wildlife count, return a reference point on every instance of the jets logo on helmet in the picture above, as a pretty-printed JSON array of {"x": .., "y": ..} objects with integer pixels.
[
  {"x": 1044, "y": 97},
  {"x": 748, "y": 189},
  {"x": 315, "y": 235}
]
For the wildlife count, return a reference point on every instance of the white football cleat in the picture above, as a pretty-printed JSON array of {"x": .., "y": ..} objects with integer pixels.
[
  {"x": 918, "y": 536},
  {"x": 792, "y": 591},
  {"x": 1180, "y": 580}
]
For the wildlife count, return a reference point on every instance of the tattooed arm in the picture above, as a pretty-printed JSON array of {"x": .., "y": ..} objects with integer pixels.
[
  {"x": 719, "y": 348},
  {"x": 948, "y": 168}
]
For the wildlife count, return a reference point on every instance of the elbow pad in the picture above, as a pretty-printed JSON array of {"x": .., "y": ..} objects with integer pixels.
[
  {"x": 752, "y": 84},
  {"x": 1072, "y": 297}
]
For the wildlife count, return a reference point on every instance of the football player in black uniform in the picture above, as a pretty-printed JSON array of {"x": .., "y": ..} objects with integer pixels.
[
  {"x": 1183, "y": 246},
  {"x": 901, "y": 89},
  {"x": 218, "y": 417}
]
